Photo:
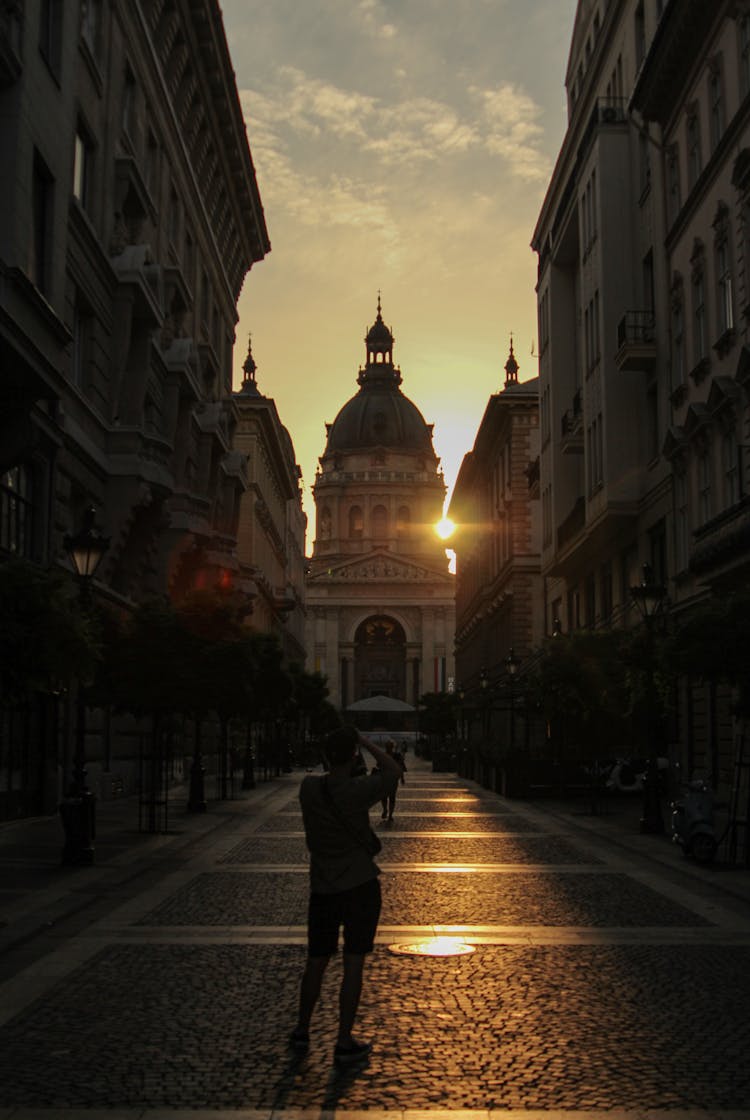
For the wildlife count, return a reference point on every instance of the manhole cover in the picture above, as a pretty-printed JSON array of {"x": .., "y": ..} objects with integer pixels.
[{"x": 433, "y": 947}]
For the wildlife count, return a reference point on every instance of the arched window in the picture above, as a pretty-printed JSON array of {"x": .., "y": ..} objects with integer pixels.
[
  {"x": 380, "y": 522},
  {"x": 325, "y": 524},
  {"x": 403, "y": 521},
  {"x": 356, "y": 521}
]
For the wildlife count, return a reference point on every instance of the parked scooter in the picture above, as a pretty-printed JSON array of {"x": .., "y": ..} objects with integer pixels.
[{"x": 693, "y": 822}]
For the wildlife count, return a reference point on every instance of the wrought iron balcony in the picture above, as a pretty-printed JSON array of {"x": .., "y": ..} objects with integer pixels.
[
  {"x": 572, "y": 427},
  {"x": 636, "y": 341}
]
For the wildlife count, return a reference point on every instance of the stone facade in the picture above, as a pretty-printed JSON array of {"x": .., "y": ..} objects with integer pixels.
[
  {"x": 495, "y": 506},
  {"x": 379, "y": 594},
  {"x": 642, "y": 298},
  {"x": 129, "y": 218},
  {"x": 271, "y": 534}
]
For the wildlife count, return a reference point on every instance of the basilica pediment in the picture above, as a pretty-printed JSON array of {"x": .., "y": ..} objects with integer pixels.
[{"x": 381, "y": 567}]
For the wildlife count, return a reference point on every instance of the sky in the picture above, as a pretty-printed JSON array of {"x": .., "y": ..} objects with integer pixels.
[{"x": 400, "y": 146}]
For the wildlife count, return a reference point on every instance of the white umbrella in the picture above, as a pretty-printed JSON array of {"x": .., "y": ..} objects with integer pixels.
[{"x": 380, "y": 704}]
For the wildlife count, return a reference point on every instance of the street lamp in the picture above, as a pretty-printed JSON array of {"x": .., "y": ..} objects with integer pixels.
[
  {"x": 650, "y": 596},
  {"x": 511, "y": 666},
  {"x": 86, "y": 549}
]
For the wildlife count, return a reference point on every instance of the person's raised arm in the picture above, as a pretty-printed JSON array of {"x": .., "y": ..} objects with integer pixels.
[{"x": 386, "y": 762}]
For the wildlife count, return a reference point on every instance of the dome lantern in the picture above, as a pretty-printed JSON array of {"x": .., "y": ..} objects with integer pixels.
[{"x": 379, "y": 343}]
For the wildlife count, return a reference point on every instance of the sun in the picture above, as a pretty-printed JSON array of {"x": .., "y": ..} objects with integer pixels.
[{"x": 445, "y": 528}]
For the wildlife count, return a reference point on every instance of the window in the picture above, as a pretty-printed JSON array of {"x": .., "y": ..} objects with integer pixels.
[
  {"x": 152, "y": 164},
  {"x": 716, "y": 102},
  {"x": 173, "y": 217},
  {"x": 40, "y": 246},
  {"x": 678, "y": 371},
  {"x": 403, "y": 521},
  {"x": 681, "y": 520},
  {"x": 730, "y": 466},
  {"x": 644, "y": 152},
  {"x": 16, "y": 511},
  {"x": 704, "y": 485},
  {"x": 83, "y": 160},
  {"x": 640, "y": 35},
  {"x": 595, "y": 450},
  {"x": 652, "y": 419},
  {"x": 380, "y": 522},
  {"x": 693, "y": 147},
  {"x": 81, "y": 350},
  {"x": 50, "y": 34},
  {"x": 700, "y": 345},
  {"x": 744, "y": 44},
  {"x": 547, "y": 517},
  {"x": 356, "y": 522},
  {"x": 674, "y": 199},
  {"x": 724, "y": 284},
  {"x": 128, "y": 103},
  {"x": 91, "y": 23}
]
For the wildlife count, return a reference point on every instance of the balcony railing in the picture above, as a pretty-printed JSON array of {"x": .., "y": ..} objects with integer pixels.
[
  {"x": 636, "y": 341},
  {"x": 572, "y": 427}
]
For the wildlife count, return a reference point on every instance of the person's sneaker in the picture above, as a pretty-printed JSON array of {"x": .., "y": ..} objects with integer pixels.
[
  {"x": 299, "y": 1042},
  {"x": 357, "y": 1052}
]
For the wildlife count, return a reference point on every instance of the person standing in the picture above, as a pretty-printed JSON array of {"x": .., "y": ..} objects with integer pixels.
[
  {"x": 389, "y": 801},
  {"x": 344, "y": 886}
]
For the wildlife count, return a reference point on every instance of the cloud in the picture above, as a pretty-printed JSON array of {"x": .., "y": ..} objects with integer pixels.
[
  {"x": 513, "y": 130},
  {"x": 373, "y": 19}
]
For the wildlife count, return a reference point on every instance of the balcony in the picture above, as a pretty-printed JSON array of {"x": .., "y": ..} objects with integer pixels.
[
  {"x": 636, "y": 342},
  {"x": 571, "y": 436}
]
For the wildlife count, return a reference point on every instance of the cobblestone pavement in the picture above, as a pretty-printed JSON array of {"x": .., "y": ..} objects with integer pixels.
[{"x": 604, "y": 979}]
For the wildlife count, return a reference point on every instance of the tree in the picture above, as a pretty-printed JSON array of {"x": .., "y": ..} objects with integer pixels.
[
  {"x": 711, "y": 644},
  {"x": 45, "y": 639},
  {"x": 582, "y": 684}
]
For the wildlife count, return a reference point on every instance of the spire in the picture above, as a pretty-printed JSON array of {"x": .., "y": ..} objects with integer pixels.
[
  {"x": 249, "y": 368},
  {"x": 511, "y": 367}
]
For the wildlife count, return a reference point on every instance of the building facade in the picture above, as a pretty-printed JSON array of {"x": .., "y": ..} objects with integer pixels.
[
  {"x": 642, "y": 294},
  {"x": 272, "y": 523},
  {"x": 496, "y": 509},
  {"x": 380, "y": 598},
  {"x": 129, "y": 217},
  {"x": 499, "y": 616}
]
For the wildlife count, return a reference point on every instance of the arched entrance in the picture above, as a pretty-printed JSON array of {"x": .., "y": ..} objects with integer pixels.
[{"x": 380, "y": 658}]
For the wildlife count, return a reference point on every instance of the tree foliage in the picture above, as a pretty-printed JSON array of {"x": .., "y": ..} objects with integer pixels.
[
  {"x": 46, "y": 639},
  {"x": 712, "y": 644}
]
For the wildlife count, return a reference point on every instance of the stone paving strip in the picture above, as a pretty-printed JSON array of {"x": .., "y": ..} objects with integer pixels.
[
  {"x": 433, "y": 897},
  {"x": 428, "y": 822},
  {"x": 400, "y": 849}
]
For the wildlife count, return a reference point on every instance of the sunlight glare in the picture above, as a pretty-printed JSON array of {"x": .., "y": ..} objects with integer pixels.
[
  {"x": 445, "y": 528},
  {"x": 434, "y": 947}
]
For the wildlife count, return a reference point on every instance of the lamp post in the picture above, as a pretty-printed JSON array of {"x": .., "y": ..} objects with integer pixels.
[
  {"x": 86, "y": 549},
  {"x": 461, "y": 693},
  {"x": 511, "y": 665},
  {"x": 650, "y": 597}
]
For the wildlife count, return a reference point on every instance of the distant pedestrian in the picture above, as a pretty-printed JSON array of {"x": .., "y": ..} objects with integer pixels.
[
  {"x": 389, "y": 802},
  {"x": 344, "y": 887}
]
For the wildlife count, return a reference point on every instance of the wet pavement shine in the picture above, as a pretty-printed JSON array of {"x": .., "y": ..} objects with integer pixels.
[{"x": 609, "y": 975}]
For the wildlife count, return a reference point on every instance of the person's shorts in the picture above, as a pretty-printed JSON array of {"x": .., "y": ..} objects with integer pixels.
[{"x": 357, "y": 910}]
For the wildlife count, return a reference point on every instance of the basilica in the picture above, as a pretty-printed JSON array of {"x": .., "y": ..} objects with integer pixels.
[{"x": 380, "y": 597}]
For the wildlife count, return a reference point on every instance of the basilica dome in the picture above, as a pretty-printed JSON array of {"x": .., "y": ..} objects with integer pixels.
[{"x": 379, "y": 415}]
